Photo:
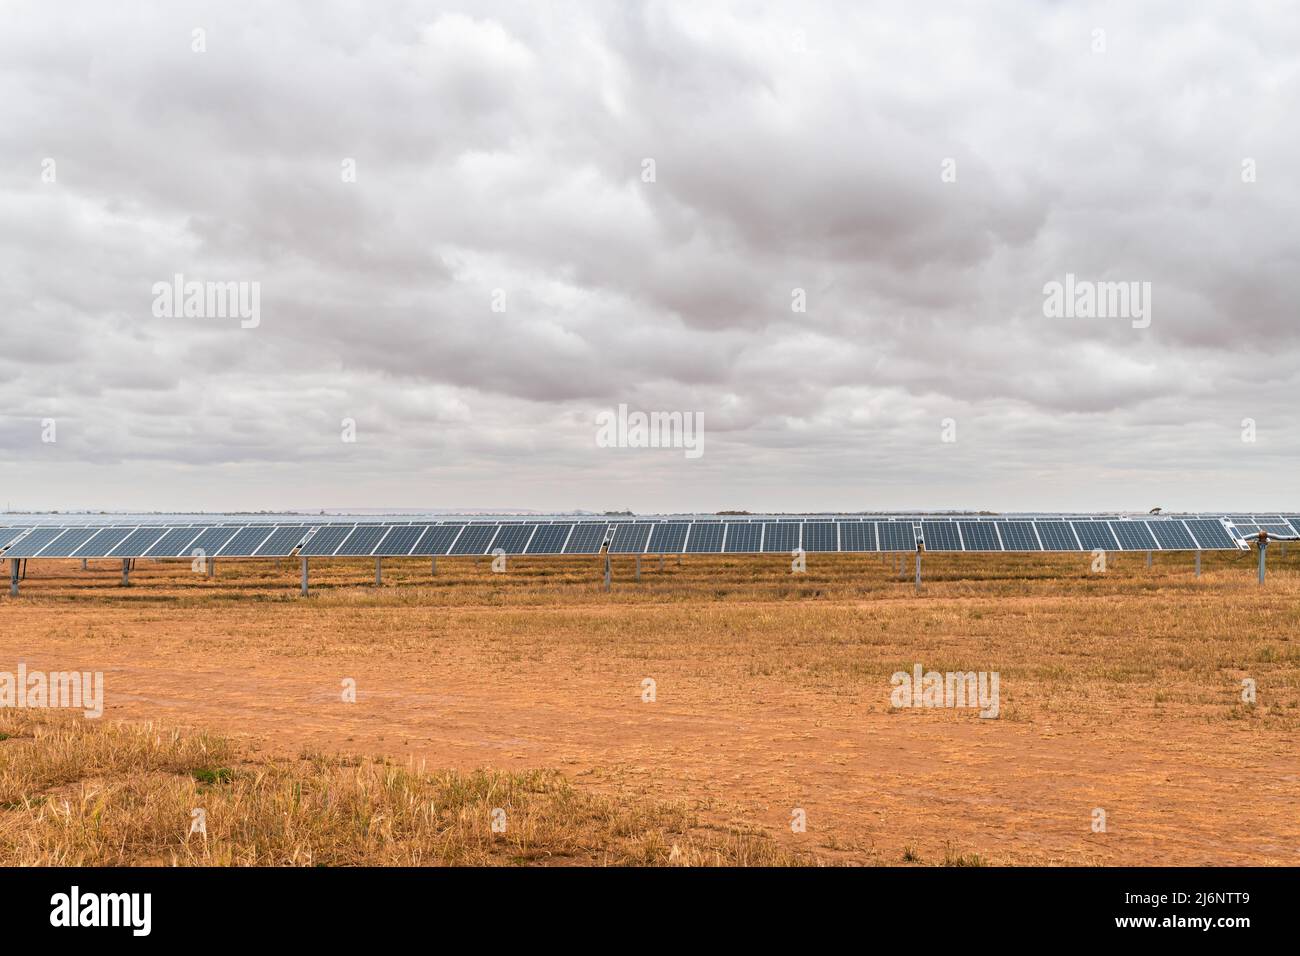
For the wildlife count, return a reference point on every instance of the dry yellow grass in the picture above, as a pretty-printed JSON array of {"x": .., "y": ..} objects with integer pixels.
[
  {"x": 78, "y": 793},
  {"x": 1120, "y": 691}
]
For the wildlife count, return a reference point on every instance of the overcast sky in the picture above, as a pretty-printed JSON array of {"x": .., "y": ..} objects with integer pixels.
[{"x": 387, "y": 173}]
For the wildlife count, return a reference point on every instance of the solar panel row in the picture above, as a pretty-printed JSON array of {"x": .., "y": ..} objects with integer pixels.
[
  {"x": 156, "y": 542},
  {"x": 705, "y": 536}
]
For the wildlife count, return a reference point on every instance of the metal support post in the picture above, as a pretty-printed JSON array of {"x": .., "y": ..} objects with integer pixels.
[
  {"x": 608, "y": 571},
  {"x": 379, "y": 571},
  {"x": 304, "y": 577}
]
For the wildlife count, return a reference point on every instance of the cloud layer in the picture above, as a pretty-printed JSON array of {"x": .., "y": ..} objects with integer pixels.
[{"x": 919, "y": 176}]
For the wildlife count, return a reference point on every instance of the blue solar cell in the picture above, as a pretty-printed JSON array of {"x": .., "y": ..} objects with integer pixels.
[
  {"x": 1056, "y": 536},
  {"x": 705, "y": 538},
  {"x": 821, "y": 536},
  {"x": 940, "y": 536},
  {"x": 630, "y": 537},
  {"x": 399, "y": 541},
  {"x": 246, "y": 542},
  {"x": 10, "y": 535},
  {"x": 437, "y": 540},
  {"x": 588, "y": 538},
  {"x": 474, "y": 539},
  {"x": 512, "y": 538},
  {"x": 744, "y": 538},
  {"x": 326, "y": 540},
  {"x": 173, "y": 543},
  {"x": 35, "y": 542},
  {"x": 781, "y": 536},
  {"x": 549, "y": 539},
  {"x": 1133, "y": 535},
  {"x": 1095, "y": 535},
  {"x": 137, "y": 543},
  {"x": 668, "y": 537},
  {"x": 978, "y": 536},
  {"x": 859, "y": 536},
  {"x": 1210, "y": 535},
  {"x": 102, "y": 543},
  {"x": 893, "y": 535},
  {"x": 1017, "y": 536},
  {"x": 66, "y": 544},
  {"x": 281, "y": 542},
  {"x": 1172, "y": 535}
]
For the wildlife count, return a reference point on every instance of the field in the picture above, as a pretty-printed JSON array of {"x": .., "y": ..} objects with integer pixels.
[{"x": 527, "y": 691}]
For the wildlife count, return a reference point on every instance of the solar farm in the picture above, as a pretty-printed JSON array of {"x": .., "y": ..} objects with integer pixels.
[
  {"x": 673, "y": 535},
  {"x": 697, "y": 679}
]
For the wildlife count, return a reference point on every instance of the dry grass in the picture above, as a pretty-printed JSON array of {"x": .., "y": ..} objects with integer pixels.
[{"x": 78, "y": 793}]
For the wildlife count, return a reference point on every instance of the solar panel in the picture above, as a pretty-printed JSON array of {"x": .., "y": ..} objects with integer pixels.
[
  {"x": 9, "y": 535},
  {"x": 705, "y": 538},
  {"x": 361, "y": 541},
  {"x": 1056, "y": 536},
  {"x": 630, "y": 537},
  {"x": 32, "y": 545},
  {"x": 245, "y": 543},
  {"x": 668, "y": 537},
  {"x": 893, "y": 536},
  {"x": 172, "y": 544},
  {"x": 211, "y": 540},
  {"x": 744, "y": 538},
  {"x": 940, "y": 536},
  {"x": 976, "y": 535},
  {"x": 821, "y": 536},
  {"x": 549, "y": 539},
  {"x": 781, "y": 536},
  {"x": 438, "y": 539},
  {"x": 1018, "y": 536},
  {"x": 281, "y": 542},
  {"x": 1172, "y": 535},
  {"x": 1133, "y": 535},
  {"x": 400, "y": 540},
  {"x": 512, "y": 538},
  {"x": 137, "y": 543},
  {"x": 587, "y": 538},
  {"x": 474, "y": 539},
  {"x": 325, "y": 541},
  {"x": 67, "y": 543},
  {"x": 1275, "y": 527},
  {"x": 104, "y": 542},
  {"x": 1210, "y": 535},
  {"x": 1095, "y": 535},
  {"x": 858, "y": 536}
]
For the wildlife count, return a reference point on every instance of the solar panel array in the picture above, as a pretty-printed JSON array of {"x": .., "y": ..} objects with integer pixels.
[{"x": 747, "y": 535}]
